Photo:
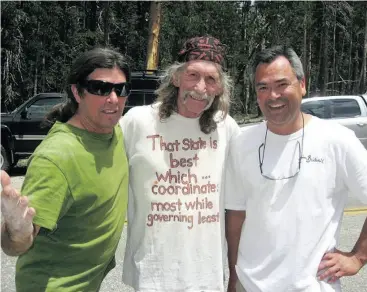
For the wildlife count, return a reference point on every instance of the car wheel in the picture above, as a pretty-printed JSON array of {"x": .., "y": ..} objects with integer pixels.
[{"x": 5, "y": 161}]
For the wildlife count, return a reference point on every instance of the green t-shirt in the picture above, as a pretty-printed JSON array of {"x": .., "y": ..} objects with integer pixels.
[{"x": 77, "y": 182}]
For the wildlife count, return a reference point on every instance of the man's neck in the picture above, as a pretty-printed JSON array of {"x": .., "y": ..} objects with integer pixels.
[
  {"x": 290, "y": 128},
  {"x": 78, "y": 122}
]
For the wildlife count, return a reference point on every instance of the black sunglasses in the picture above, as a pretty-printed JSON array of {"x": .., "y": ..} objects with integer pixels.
[{"x": 103, "y": 88}]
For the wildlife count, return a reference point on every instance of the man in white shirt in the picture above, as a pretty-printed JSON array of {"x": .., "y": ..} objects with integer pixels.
[
  {"x": 176, "y": 150},
  {"x": 286, "y": 186}
]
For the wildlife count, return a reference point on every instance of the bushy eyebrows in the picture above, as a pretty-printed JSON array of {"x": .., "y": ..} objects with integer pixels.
[
  {"x": 213, "y": 74},
  {"x": 282, "y": 80},
  {"x": 262, "y": 83},
  {"x": 188, "y": 70}
]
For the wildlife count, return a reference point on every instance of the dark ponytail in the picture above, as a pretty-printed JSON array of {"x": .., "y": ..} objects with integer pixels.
[{"x": 61, "y": 112}]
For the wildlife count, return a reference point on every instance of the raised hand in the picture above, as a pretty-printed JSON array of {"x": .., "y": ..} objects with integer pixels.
[{"x": 16, "y": 215}]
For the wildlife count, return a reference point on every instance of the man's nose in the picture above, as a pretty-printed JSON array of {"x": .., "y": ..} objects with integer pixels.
[
  {"x": 274, "y": 93},
  {"x": 201, "y": 86},
  {"x": 113, "y": 98}
]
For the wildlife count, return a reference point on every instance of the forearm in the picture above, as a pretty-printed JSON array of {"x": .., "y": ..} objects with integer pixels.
[
  {"x": 360, "y": 248},
  {"x": 234, "y": 222},
  {"x": 14, "y": 246}
]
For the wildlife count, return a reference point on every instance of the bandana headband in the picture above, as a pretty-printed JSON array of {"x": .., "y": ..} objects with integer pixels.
[{"x": 203, "y": 48}]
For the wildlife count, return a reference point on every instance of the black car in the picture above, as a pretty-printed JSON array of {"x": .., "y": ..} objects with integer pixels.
[{"x": 21, "y": 130}]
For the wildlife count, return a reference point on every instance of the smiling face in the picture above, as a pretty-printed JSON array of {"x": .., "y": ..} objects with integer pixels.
[
  {"x": 99, "y": 114},
  {"x": 199, "y": 83},
  {"x": 279, "y": 94}
]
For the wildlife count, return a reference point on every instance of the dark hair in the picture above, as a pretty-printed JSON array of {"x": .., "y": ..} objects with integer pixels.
[
  {"x": 270, "y": 54},
  {"x": 84, "y": 65}
]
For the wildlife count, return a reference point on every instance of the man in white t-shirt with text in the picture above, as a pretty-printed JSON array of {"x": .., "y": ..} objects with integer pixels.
[
  {"x": 177, "y": 149},
  {"x": 286, "y": 185}
]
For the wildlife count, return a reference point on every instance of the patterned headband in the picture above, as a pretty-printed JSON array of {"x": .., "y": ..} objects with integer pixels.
[{"x": 203, "y": 48}]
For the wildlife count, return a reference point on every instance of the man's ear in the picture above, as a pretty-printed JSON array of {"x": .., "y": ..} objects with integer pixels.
[
  {"x": 303, "y": 86},
  {"x": 75, "y": 92},
  {"x": 176, "y": 80}
]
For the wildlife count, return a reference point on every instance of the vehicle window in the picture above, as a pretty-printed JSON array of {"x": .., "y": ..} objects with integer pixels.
[
  {"x": 345, "y": 108},
  {"x": 41, "y": 107},
  {"x": 318, "y": 108}
]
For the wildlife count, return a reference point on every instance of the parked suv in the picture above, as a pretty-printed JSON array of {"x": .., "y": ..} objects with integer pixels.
[
  {"x": 21, "y": 132},
  {"x": 348, "y": 110}
]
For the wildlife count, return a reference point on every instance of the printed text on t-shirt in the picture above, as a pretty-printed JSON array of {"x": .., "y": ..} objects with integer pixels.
[{"x": 190, "y": 195}]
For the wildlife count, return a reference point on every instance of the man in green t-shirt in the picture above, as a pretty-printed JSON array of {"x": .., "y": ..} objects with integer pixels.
[{"x": 66, "y": 225}]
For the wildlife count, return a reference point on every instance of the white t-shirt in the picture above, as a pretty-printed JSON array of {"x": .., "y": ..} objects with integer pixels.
[
  {"x": 175, "y": 214},
  {"x": 291, "y": 223}
]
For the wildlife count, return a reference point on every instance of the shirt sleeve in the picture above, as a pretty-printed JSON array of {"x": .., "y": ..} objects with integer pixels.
[
  {"x": 355, "y": 168},
  {"x": 48, "y": 191},
  {"x": 234, "y": 128},
  {"x": 234, "y": 193}
]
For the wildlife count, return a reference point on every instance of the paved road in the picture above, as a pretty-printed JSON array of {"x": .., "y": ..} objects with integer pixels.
[{"x": 352, "y": 224}]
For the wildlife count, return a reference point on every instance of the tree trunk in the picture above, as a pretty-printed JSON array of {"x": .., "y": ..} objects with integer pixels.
[
  {"x": 84, "y": 5},
  {"x": 355, "y": 84},
  {"x": 5, "y": 96},
  {"x": 243, "y": 93},
  {"x": 35, "y": 76},
  {"x": 43, "y": 76},
  {"x": 106, "y": 21},
  {"x": 340, "y": 61},
  {"x": 304, "y": 48},
  {"x": 362, "y": 80},
  {"x": 93, "y": 16},
  {"x": 274, "y": 28},
  {"x": 349, "y": 86},
  {"x": 324, "y": 54},
  {"x": 257, "y": 104},
  {"x": 309, "y": 66},
  {"x": 333, "y": 69},
  {"x": 35, "y": 88},
  {"x": 317, "y": 77},
  {"x": 154, "y": 28}
]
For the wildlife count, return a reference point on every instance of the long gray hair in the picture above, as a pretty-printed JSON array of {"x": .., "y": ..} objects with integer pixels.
[{"x": 168, "y": 95}]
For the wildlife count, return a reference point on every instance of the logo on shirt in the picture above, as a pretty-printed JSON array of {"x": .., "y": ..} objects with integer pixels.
[{"x": 315, "y": 159}]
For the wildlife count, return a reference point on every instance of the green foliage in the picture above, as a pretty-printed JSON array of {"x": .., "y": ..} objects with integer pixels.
[{"x": 40, "y": 39}]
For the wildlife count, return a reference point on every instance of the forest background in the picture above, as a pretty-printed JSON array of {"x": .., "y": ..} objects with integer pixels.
[{"x": 40, "y": 39}]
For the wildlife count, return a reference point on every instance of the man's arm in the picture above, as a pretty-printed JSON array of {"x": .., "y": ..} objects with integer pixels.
[
  {"x": 338, "y": 264},
  {"x": 233, "y": 224},
  {"x": 353, "y": 168},
  {"x": 360, "y": 248},
  {"x": 17, "y": 229}
]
